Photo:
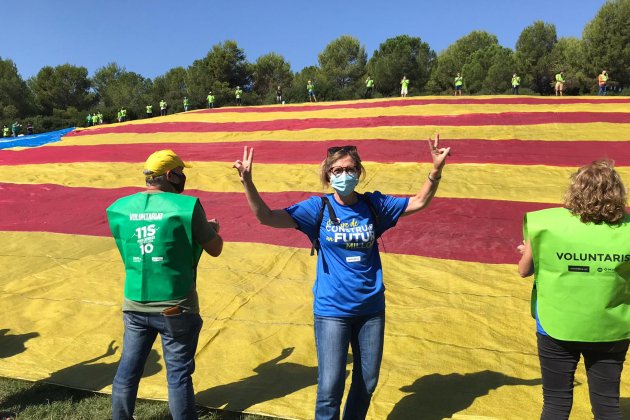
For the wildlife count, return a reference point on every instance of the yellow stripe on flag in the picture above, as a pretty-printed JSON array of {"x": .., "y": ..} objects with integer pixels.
[
  {"x": 528, "y": 183},
  {"x": 452, "y": 329}
]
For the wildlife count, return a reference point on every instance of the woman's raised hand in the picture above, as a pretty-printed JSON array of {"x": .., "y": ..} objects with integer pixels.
[
  {"x": 438, "y": 154},
  {"x": 244, "y": 167}
]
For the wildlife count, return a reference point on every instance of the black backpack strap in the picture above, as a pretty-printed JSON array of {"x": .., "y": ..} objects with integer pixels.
[
  {"x": 374, "y": 214},
  {"x": 320, "y": 219}
]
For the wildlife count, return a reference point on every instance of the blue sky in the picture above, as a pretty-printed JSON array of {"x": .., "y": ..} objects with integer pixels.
[{"x": 151, "y": 37}]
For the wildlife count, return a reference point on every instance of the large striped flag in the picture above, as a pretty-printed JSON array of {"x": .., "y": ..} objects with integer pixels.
[{"x": 459, "y": 339}]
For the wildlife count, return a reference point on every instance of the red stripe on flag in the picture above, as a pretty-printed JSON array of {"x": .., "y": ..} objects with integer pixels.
[
  {"x": 460, "y": 229},
  {"x": 514, "y": 152},
  {"x": 414, "y": 102},
  {"x": 507, "y": 118}
]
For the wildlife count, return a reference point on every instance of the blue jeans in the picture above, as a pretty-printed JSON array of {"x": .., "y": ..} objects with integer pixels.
[
  {"x": 332, "y": 337},
  {"x": 179, "y": 334},
  {"x": 602, "y": 90}
]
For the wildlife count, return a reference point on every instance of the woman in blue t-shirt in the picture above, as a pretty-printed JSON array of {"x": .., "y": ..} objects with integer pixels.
[{"x": 349, "y": 298}]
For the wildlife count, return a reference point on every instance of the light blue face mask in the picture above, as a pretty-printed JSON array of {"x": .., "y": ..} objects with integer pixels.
[{"x": 344, "y": 184}]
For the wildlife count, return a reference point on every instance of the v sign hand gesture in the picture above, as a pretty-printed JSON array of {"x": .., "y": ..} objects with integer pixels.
[
  {"x": 438, "y": 154},
  {"x": 244, "y": 167}
]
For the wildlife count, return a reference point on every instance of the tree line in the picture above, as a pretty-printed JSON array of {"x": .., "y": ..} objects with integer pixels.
[{"x": 61, "y": 96}]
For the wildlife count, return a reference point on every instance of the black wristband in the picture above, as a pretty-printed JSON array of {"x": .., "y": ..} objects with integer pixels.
[{"x": 436, "y": 179}]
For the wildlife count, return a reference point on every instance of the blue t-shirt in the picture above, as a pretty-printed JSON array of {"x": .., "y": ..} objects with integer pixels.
[
  {"x": 539, "y": 327},
  {"x": 349, "y": 278}
]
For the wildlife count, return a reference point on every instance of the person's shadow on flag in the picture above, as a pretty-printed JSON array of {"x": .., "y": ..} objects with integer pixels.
[
  {"x": 87, "y": 375},
  {"x": 10, "y": 345},
  {"x": 441, "y": 396},
  {"x": 272, "y": 380}
]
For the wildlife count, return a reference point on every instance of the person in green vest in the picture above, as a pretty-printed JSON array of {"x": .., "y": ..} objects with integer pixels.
[
  {"x": 88, "y": 120},
  {"x": 516, "y": 82},
  {"x": 579, "y": 255},
  {"x": 560, "y": 83},
  {"x": 602, "y": 80},
  {"x": 310, "y": 88},
  {"x": 119, "y": 116},
  {"x": 369, "y": 87},
  {"x": 186, "y": 103},
  {"x": 149, "y": 111},
  {"x": 210, "y": 99},
  {"x": 459, "y": 84},
  {"x": 123, "y": 114},
  {"x": 404, "y": 86},
  {"x": 161, "y": 235},
  {"x": 163, "y": 106},
  {"x": 5, "y": 131},
  {"x": 279, "y": 95},
  {"x": 238, "y": 92},
  {"x": 15, "y": 128}
]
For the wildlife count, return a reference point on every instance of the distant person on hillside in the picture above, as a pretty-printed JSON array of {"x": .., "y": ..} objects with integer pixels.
[
  {"x": 459, "y": 84},
  {"x": 279, "y": 95},
  {"x": 210, "y": 99},
  {"x": 15, "y": 128},
  {"x": 602, "y": 81},
  {"x": 88, "y": 120},
  {"x": 369, "y": 87},
  {"x": 123, "y": 113},
  {"x": 29, "y": 128},
  {"x": 310, "y": 88},
  {"x": 163, "y": 106},
  {"x": 238, "y": 93},
  {"x": 186, "y": 104},
  {"x": 516, "y": 82},
  {"x": 5, "y": 131},
  {"x": 404, "y": 86},
  {"x": 149, "y": 111},
  {"x": 100, "y": 117},
  {"x": 560, "y": 83}
]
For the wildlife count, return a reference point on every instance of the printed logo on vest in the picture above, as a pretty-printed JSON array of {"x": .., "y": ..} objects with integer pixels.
[{"x": 579, "y": 268}]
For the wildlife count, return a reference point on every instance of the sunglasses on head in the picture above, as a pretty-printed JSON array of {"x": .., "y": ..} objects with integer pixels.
[{"x": 343, "y": 149}]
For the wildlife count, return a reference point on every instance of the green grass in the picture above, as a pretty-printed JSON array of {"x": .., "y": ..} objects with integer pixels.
[{"x": 35, "y": 400}]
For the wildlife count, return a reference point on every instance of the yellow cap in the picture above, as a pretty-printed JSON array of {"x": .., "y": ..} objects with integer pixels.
[{"x": 161, "y": 162}]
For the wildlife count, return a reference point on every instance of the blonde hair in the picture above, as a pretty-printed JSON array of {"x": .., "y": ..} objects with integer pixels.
[
  {"x": 333, "y": 156},
  {"x": 596, "y": 194}
]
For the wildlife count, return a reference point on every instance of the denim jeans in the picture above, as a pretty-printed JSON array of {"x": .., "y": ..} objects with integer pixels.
[
  {"x": 179, "y": 334},
  {"x": 603, "y": 362},
  {"x": 333, "y": 335}
]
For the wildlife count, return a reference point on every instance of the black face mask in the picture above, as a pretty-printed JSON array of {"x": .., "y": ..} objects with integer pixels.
[{"x": 178, "y": 186}]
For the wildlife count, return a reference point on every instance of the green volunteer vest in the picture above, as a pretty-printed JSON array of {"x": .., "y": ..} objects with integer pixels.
[
  {"x": 153, "y": 233},
  {"x": 581, "y": 278},
  {"x": 459, "y": 81},
  {"x": 369, "y": 83}
]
